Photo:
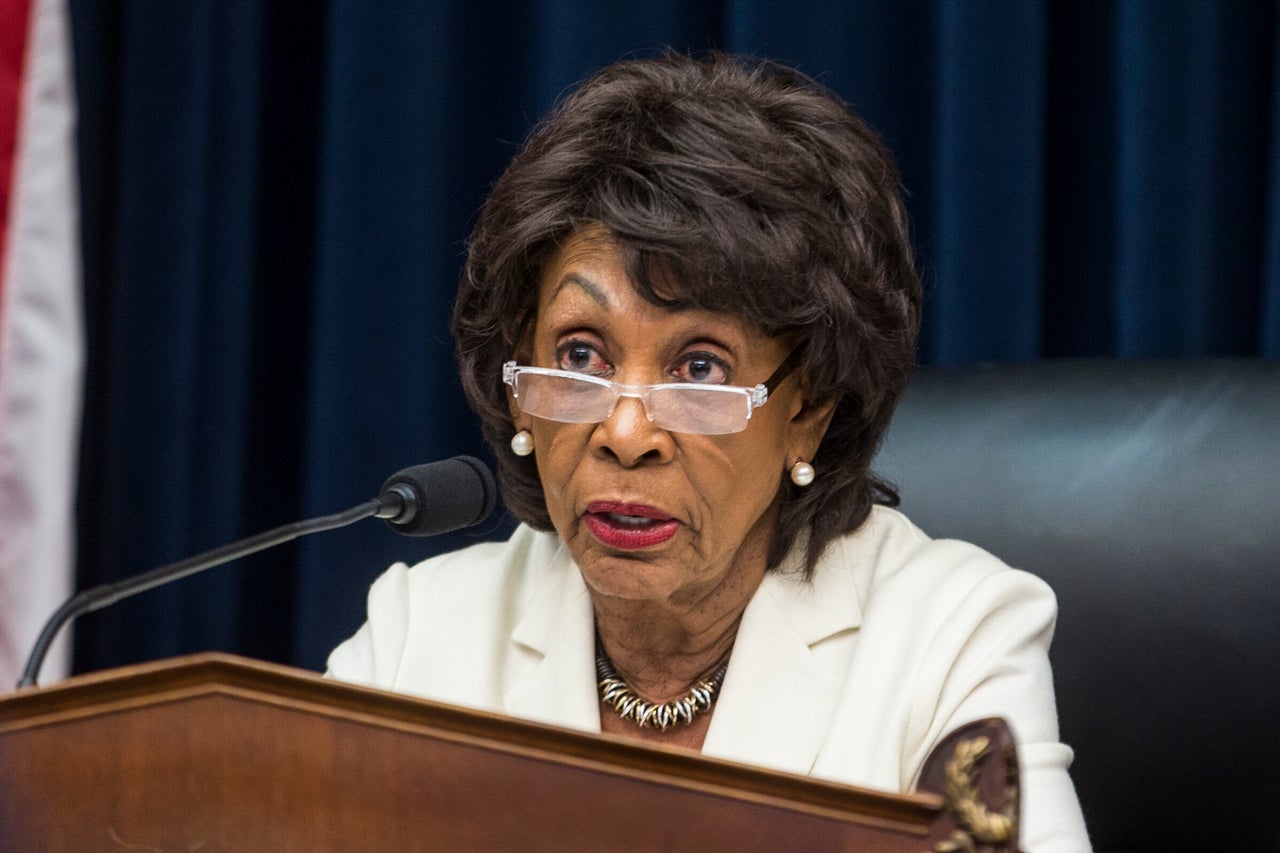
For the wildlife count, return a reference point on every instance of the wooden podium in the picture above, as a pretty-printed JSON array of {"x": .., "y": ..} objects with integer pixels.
[{"x": 215, "y": 753}]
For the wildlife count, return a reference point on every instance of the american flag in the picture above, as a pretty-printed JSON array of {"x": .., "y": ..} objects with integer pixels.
[{"x": 41, "y": 335}]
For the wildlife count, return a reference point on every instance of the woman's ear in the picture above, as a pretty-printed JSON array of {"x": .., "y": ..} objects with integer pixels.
[
  {"x": 808, "y": 427},
  {"x": 521, "y": 353},
  {"x": 522, "y": 348},
  {"x": 517, "y": 416}
]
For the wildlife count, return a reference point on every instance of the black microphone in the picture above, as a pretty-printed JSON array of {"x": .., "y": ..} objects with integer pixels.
[
  {"x": 424, "y": 500},
  {"x": 441, "y": 496}
]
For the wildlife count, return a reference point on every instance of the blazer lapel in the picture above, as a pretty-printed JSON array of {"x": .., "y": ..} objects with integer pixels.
[
  {"x": 551, "y": 672},
  {"x": 778, "y": 697}
]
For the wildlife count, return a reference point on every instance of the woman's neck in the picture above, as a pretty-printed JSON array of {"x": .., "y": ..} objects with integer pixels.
[
  {"x": 660, "y": 661},
  {"x": 662, "y": 648}
]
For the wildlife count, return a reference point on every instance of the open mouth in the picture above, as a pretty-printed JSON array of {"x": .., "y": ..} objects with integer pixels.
[{"x": 629, "y": 526}]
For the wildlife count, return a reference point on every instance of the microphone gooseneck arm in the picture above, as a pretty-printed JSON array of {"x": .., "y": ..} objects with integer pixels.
[
  {"x": 424, "y": 500},
  {"x": 390, "y": 505}
]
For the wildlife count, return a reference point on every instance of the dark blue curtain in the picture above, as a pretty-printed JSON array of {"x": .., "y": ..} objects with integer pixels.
[{"x": 276, "y": 195}]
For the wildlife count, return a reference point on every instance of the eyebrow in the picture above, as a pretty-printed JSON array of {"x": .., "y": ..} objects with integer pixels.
[{"x": 587, "y": 285}]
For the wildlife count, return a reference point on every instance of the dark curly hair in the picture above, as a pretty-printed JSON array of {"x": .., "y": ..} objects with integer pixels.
[{"x": 728, "y": 184}]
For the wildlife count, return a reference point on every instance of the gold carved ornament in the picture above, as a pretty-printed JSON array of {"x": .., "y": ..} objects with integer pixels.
[{"x": 979, "y": 830}]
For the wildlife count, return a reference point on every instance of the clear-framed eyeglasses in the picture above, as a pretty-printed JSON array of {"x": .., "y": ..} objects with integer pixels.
[{"x": 579, "y": 398}]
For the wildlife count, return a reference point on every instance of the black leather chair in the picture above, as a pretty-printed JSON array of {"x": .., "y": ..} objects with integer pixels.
[{"x": 1148, "y": 495}]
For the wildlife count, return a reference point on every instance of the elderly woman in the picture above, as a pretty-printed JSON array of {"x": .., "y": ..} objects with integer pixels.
[{"x": 688, "y": 311}]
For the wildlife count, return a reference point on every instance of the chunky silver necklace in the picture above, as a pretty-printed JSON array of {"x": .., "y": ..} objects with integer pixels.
[{"x": 678, "y": 712}]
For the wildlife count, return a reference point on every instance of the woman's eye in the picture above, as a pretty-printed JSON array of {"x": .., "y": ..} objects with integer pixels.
[
  {"x": 702, "y": 369},
  {"x": 581, "y": 358}
]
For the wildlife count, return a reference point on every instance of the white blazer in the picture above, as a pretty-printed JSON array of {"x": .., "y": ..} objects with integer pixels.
[{"x": 852, "y": 677}]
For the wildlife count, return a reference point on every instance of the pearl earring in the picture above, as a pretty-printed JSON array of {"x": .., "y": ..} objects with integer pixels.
[
  {"x": 802, "y": 474},
  {"x": 522, "y": 443}
]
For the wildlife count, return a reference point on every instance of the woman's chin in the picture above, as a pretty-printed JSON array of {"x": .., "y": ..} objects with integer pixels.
[{"x": 629, "y": 576}]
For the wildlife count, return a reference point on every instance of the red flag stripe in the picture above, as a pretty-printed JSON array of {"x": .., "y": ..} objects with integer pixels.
[{"x": 15, "y": 17}]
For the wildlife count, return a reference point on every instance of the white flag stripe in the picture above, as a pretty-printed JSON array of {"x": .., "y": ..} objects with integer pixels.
[{"x": 41, "y": 351}]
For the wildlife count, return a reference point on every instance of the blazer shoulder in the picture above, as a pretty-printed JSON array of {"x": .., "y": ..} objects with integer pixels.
[
  {"x": 898, "y": 557},
  {"x": 485, "y": 569}
]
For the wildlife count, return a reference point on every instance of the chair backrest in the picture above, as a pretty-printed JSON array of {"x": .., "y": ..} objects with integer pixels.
[{"x": 1148, "y": 495}]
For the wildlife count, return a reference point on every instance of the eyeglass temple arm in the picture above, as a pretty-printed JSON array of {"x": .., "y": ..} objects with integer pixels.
[{"x": 788, "y": 366}]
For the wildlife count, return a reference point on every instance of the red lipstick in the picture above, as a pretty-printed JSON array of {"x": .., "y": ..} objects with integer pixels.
[{"x": 629, "y": 527}]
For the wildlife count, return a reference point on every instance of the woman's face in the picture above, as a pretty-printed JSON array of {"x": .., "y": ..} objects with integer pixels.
[{"x": 651, "y": 514}]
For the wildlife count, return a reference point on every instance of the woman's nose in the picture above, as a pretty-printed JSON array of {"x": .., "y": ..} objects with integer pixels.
[{"x": 629, "y": 436}]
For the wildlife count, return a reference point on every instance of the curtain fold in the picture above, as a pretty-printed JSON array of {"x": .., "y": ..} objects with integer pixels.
[
  {"x": 1194, "y": 121},
  {"x": 1269, "y": 314},
  {"x": 988, "y": 189},
  {"x": 276, "y": 197},
  {"x": 167, "y": 434}
]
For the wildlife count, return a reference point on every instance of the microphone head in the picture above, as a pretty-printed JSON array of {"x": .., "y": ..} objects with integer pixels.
[{"x": 440, "y": 497}]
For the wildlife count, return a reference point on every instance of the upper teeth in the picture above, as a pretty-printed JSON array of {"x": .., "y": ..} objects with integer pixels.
[{"x": 632, "y": 520}]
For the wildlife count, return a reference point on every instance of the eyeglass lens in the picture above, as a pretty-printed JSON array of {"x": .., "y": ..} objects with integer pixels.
[{"x": 570, "y": 399}]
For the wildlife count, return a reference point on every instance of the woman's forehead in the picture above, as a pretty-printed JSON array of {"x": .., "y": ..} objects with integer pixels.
[
  {"x": 595, "y": 261},
  {"x": 588, "y": 277}
]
